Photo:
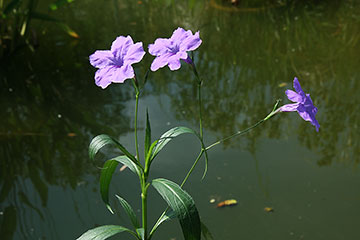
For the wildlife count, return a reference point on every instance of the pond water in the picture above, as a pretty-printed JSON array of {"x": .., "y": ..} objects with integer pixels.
[{"x": 51, "y": 109}]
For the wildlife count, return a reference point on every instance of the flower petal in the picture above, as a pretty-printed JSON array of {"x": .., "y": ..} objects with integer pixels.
[
  {"x": 297, "y": 87},
  {"x": 123, "y": 73},
  {"x": 191, "y": 43},
  {"x": 120, "y": 46},
  {"x": 103, "y": 76},
  {"x": 180, "y": 34},
  {"x": 293, "y": 96},
  {"x": 134, "y": 54},
  {"x": 174, "y": 63},
  {"x": 101, "y": 58},
  {"x": 159, "y": 47},
  {"x": 160, "y": 62},
  {"x": 289, "y": 107}
]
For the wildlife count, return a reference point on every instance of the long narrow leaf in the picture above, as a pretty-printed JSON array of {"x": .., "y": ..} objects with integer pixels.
[
  {"x": 168, "y": 136},
  {"x": 130, "y": 212},
  {"x": 101, "y": 140},
  {"x": 107, "y": 173},
  {"x": 141, "y": 233},
  {"x": 105, "y": 179},
  {"x": 183, "y": 205},
  {"x": 147, "y": 135},
  {"x": 205, "y": 232},
  {"x": 104, "y": 232},
  {"x": 165, "y": 217}
]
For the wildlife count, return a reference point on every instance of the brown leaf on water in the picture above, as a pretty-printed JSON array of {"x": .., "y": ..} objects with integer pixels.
[
  {"x": 268, "y": 209},
  {"x": 71, "y": 134},
  {"x": 229, "y": 202}
]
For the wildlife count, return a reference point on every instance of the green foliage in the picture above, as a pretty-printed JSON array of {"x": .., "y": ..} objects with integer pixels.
[
  {"x": 107, "y": 172},
  {"x": 130, "y": 212},
  {"x": 104, "y": 232},
  {"x": 168, "y": 136},
  {"x": 102, "y": 140},
  {"x": 183, "y": 205}
]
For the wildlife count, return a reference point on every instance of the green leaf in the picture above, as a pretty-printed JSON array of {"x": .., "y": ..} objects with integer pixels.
[
  {"x": 205, "y": 232},
  {"x": 168, "y": 215},
  {"x": 168, "y": 136},
  {"x": 147, "y": 135},
  {"x": 107, "y": 173},
  {"x": 130, "y": 212},
  {"x": 183, "y": 205},
  {"x": 141, "y": 233},
  {"x": 104, "y": 232},
  {"x": 101, "y": 140},
  {"x": 105, "y": 179}
]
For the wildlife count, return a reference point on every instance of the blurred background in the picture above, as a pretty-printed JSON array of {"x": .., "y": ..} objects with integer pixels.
[{"x": 251, "y": 51}]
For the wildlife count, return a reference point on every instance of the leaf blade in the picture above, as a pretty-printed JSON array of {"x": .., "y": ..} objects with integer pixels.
[
  {"x": 183, "y": 205},
  {"x": 107, "y": 173},
  {"x": 102, "y": 140},
  {"x": 104, "y": 232},
  {"x": 168, "y": 136},
  {"x": 147, "y": 135},
  {"x": 130, "y": 212}
]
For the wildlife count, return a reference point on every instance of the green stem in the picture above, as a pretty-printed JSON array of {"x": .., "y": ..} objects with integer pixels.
[
  {"x": 239, "y": 133},
  {"x": 144, "y": 187},
  {"x": 136, "y": 115},
  {"x": 200, "y": 110},
  {"x": 192, "y": 167}
]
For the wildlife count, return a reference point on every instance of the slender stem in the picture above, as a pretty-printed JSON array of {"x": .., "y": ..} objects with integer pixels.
[
  {"x": 200, "y": 110},
  {"x": 136, "y": 115},
  {"x": 192, "y": 167},
  {"x": 144, "y": 187},
  {"x": 239, "y": 133}
]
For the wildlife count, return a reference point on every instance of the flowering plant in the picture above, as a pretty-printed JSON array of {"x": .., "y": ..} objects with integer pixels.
[{"x": 115, "y": 66}]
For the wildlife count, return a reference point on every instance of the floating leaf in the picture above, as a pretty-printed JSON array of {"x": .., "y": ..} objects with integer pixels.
[
  {"x": 268, "y": 209},
  {"x": 229, "y": 202},
  {"x": 104, "y": 232},
  {"x": 183, "y": 205},
  {"x": 130, "y": 212}
]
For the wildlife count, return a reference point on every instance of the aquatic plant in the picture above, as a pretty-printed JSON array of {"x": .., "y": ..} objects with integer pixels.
[{"x": 115, "y": 67}]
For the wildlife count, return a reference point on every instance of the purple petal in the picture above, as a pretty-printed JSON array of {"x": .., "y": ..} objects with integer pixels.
[
  {"x": 297, "y": 87},
  {"x": 123, "y": 73},
  {"x": 174, "y": 62},
  {"x": 180, "y": 34},
  {"x": 101, "y": 58},
  {"x": 103, "y": 76},
  {"x": 293, "y": 96},
  {"x": 191, "y": 43},
  {"x": 160, "y": 62},
  {"x": 289, "y": 107},
  {"x": 159, "y": 47},
  {"x": 134, "y": 54},
  {"x": 120, "y": 46}
]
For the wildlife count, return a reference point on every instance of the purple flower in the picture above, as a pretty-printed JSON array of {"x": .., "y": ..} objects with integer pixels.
[
  {"x": 303, "y": 104},
  {"x": 115, "y": 65},
  {"x": 169, "y": 51}
]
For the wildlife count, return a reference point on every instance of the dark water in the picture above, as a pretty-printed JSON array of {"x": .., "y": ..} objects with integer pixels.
[{"x": 51, "y": 109}]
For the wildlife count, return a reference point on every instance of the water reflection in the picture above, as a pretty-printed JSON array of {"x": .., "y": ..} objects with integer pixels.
[{"x": 51, "y": 107}]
